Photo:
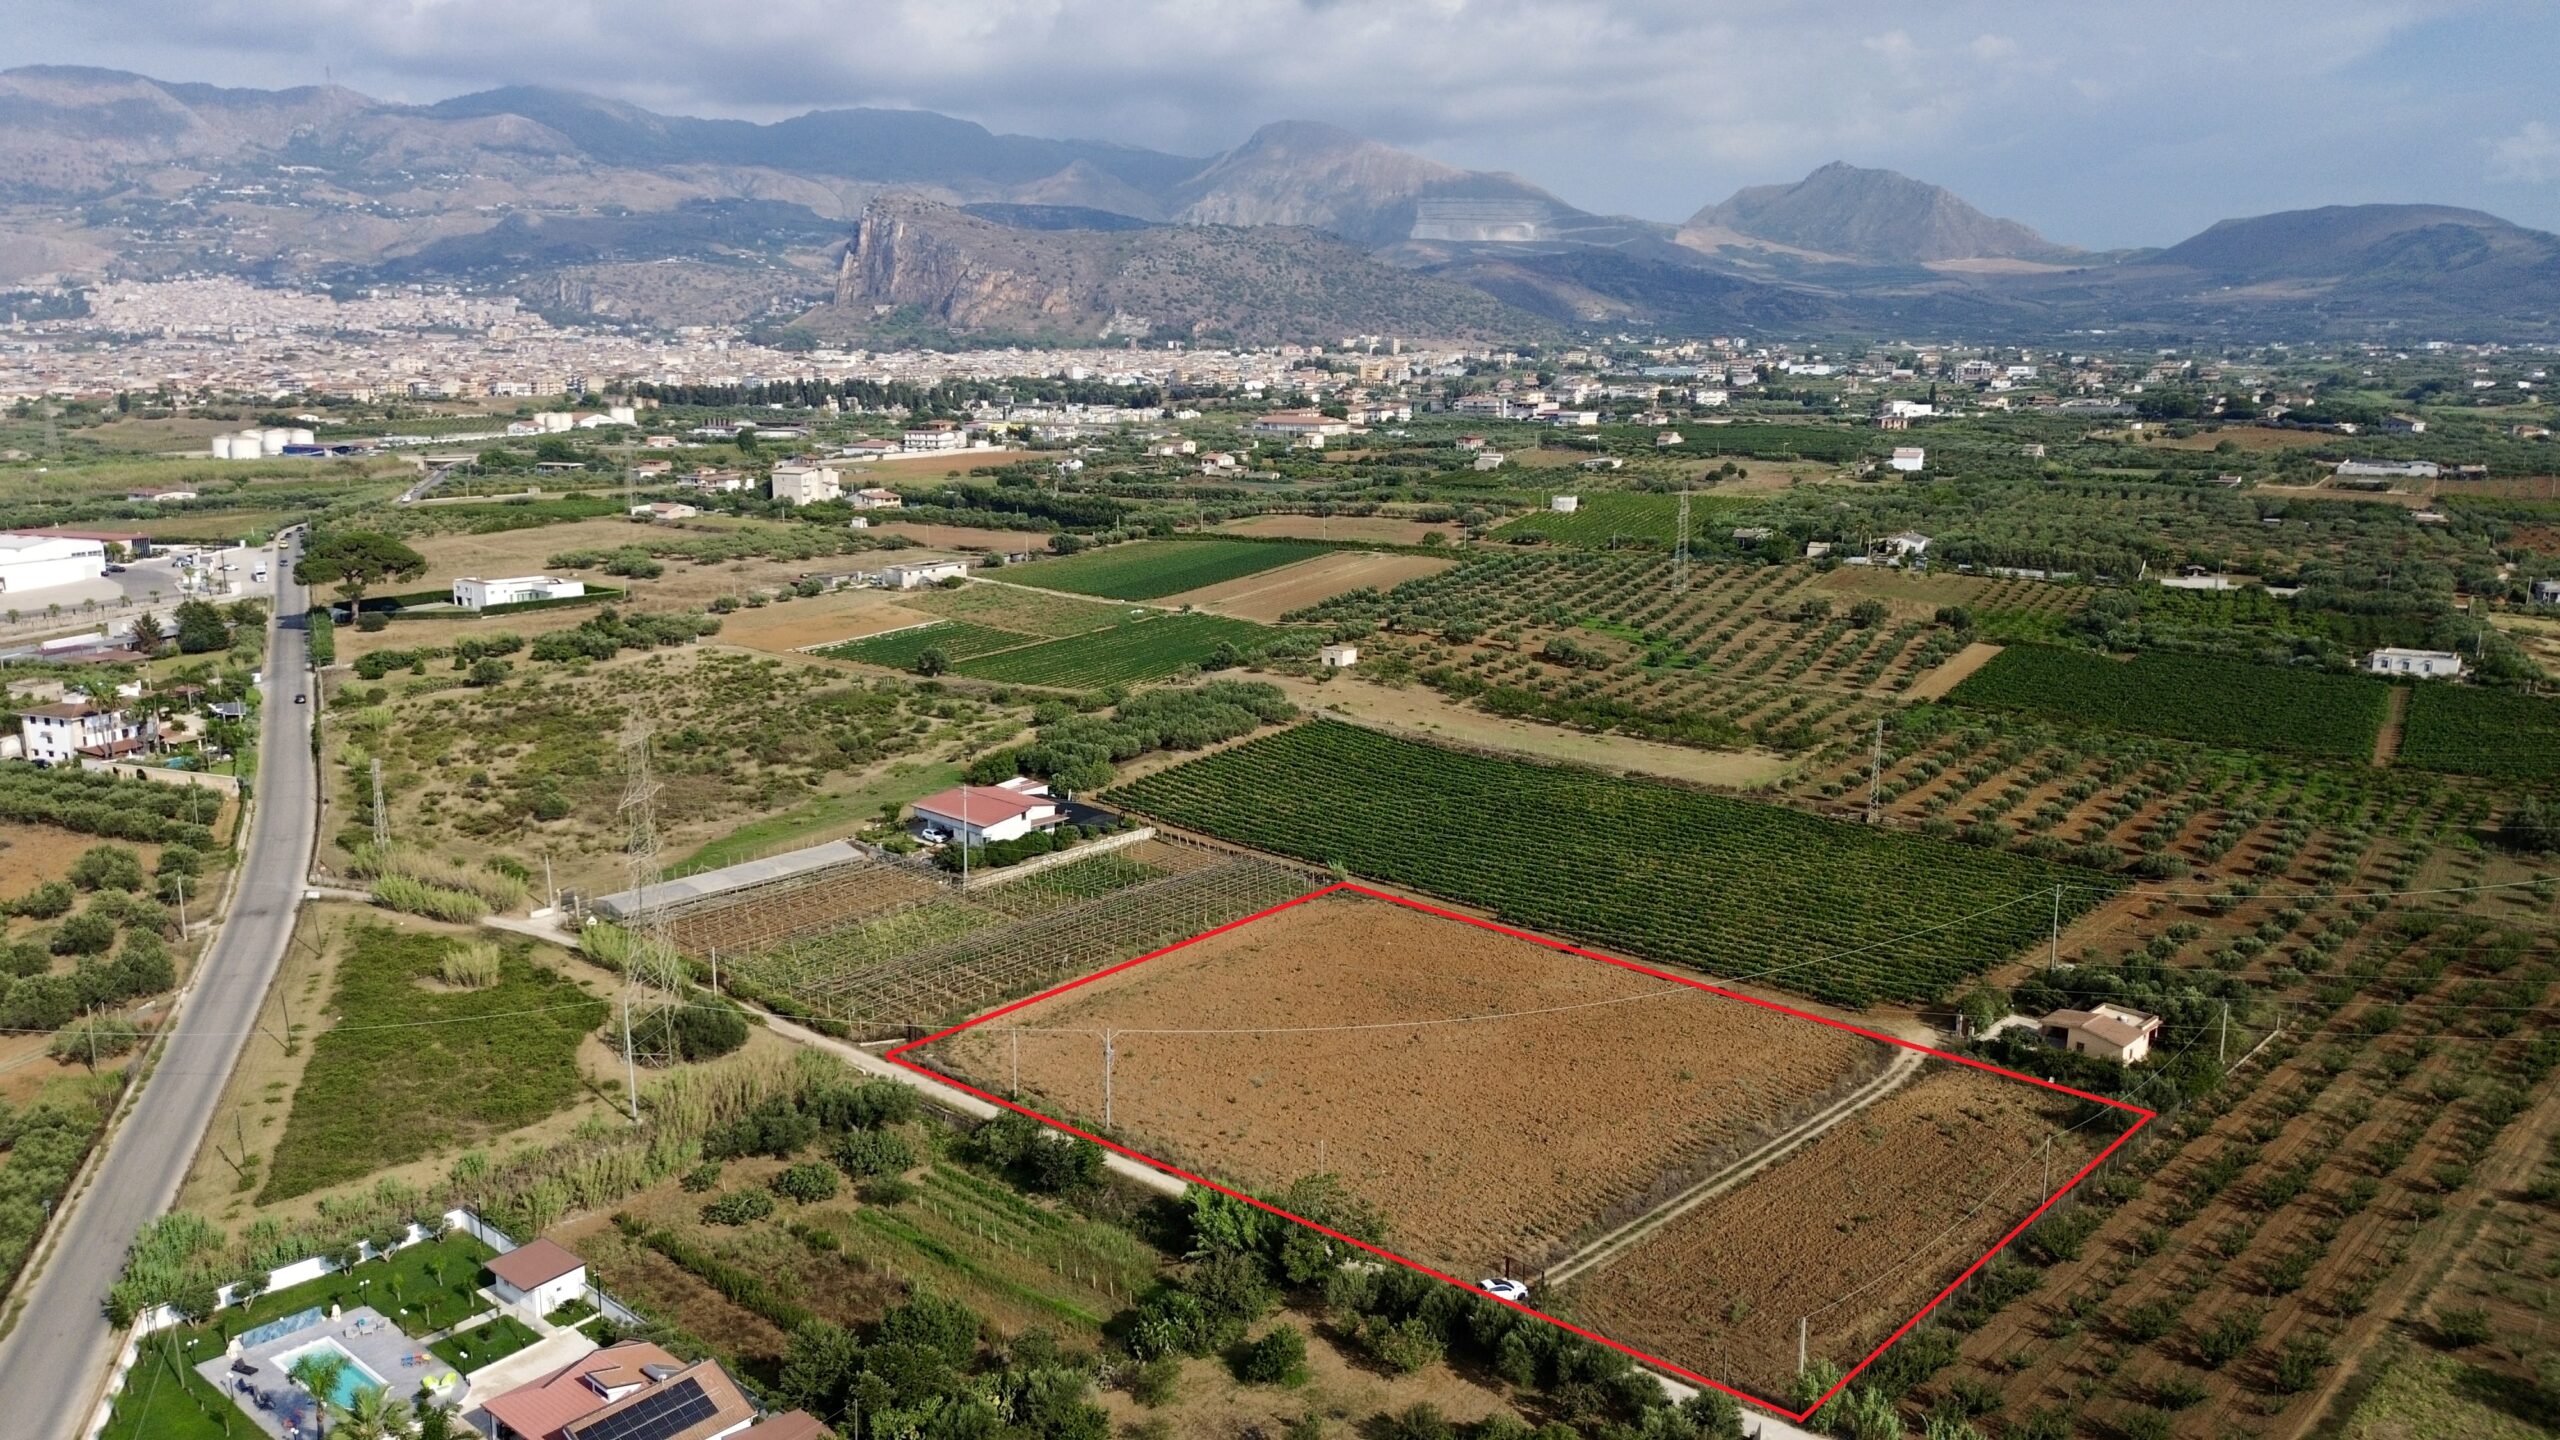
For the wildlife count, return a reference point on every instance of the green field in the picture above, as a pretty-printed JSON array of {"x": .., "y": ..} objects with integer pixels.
[
  {"x": 957, "y": 639},
  {"x": 1619, "y": 517},
  {"x": 2467, "y": 730},
  {"x": 2188, "y": 697},
  {"x": 1840, "y": 912},
  {"x": 1137, "y": 650},
  {"x": 1153, "y": 569},
  {"x": 407, "y": 1067}
]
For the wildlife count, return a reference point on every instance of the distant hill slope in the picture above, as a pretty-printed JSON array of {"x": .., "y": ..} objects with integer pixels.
[
  {"x": 1298, "y": 172},
  {"x": 1872, "y": 215},
  {"x": 916, "y": 259}
]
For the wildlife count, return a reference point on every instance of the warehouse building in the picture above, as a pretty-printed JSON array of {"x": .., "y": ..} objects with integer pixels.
[{"x": 42, "y": 562}]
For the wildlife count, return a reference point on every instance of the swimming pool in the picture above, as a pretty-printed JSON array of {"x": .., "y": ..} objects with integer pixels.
[{"x": 352, "y": 1378}]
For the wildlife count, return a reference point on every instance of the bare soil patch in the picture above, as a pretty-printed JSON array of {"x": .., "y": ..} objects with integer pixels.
[
  {"x": 1274, "y": 593},
  {"x": 962, "y": 537},
  {"x": 33, "y": 854},
  {"x": 1380, "y": 529},
  {"x": 1884, "y": 1209},
  {"x": 1426, "y": 714},
  {"x": 1936, "y": 684},
  {"x": 2248, "y": 437},
  {"x": 818, "y": 620},
  {"x": 1488, "y": 1135}
]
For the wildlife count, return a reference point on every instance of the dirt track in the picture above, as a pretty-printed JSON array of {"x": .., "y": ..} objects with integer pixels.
[{"x": 1506, "y": 1138}]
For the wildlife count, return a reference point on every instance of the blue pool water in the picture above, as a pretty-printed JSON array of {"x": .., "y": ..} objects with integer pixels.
[{"x": 352, "y": 1380}]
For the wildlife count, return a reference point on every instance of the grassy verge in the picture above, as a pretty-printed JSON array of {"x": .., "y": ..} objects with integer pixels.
[
  {"x": 822, "y": 816},
  {"x": 410, "y": 1067},
  {"x": 165, "y": 1399}
]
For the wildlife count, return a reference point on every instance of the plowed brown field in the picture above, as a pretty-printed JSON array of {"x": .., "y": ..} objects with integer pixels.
[
  {"x": 1883, "y": 1209},
  {"x": 1579, "y": 1095}
]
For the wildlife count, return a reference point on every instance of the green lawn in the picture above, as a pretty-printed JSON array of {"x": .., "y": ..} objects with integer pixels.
[
  {"x": 423, "y": 1288},
  {"x": 484, "y": 1344},
  {"x": 1153, "y": 569},
  {"x": 408, "y": 1068},
  {"x": 165, "y": 1399}
]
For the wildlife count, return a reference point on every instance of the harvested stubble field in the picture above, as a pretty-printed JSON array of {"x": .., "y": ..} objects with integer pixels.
[
  {"x": 1507, "y": 1099},
  {"x": 1381, "y": 529},
  {"x": 1272, "y": 594},
  {"x": 1863, "y": 1225}
]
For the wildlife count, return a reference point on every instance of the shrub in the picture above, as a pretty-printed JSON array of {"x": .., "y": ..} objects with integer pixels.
[
  {"x": 2230, "y": 1336},
  {"x": 808, "y": 1182},
  {"x": 1157, "y": 1381},
  {"x": 739, "y": 1207},
  {"x": 890, "y": 1190},
  {"x": 107, "y": 867},
  {"x": 702, "y": 1178},
  {"x": 2465, "y": 1325},
  {"x": 1278, "y": 1358},
  {"x": 866, "y": 1153},
  {"x": 47, "y": 901},
  {"x": 88, "y": 933},
  {"x": 2299, "y": 1362}
]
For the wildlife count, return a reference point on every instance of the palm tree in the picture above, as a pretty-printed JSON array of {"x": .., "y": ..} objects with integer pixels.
[
  {"x": 318, "y": 1373},
  {"x": 437, "y": 1423},
  {"x": 371, "y": 1414}
]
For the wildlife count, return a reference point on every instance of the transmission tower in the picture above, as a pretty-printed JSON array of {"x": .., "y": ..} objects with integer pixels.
[
  {"x": 1680, "y": 549},
  {"x": 652, "y": 967},
  {"x": 381, "y": 816}
]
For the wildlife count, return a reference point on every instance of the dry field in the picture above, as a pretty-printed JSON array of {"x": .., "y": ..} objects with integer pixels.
[
  {"x": 2246, "y": 437},
  {"x": 33, "y": 854},
  {"x": 1936, "y": 684},
  {"x": 1878, "y": 1214},
  {"x": 1483, "y": 1131},
  {"x": 963, "y": 537},
  {"x": 1274, "y": 593},
  {"x": 1377, "y": 529},
  {"x": 819, "y": 620}
]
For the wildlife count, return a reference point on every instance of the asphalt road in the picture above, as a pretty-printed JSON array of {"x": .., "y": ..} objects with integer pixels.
[{"x": 53, "y": 1363}]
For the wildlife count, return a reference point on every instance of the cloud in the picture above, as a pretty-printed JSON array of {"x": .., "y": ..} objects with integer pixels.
[
  {"x": 2531, "y": 156},
  {"x": 1643, "y": 106}
]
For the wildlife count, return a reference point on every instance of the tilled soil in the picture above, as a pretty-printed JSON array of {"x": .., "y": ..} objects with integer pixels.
[
  {"x": 1487, "y": 1142},
  {"x": 1884, "y": 1210}
]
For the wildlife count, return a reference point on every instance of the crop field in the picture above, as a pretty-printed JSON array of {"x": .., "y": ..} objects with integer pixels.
[
  {"x": 1153, "y": 569},
  {"x": 1536, "y": 1094},
  {"x": 1851, "y": 1234},
  {"x": 2468, "y": 730},
  {"x": 898, "y": 649},
  {"x": 999, "y": 606},
  {"x": 1146, "y": 649},
  {"x": 1737, "y": 889},
  {"x": 1267, "y": 595},
  {"x": 2221, "y": 702},
  {"x": 1610, "y": 519}
]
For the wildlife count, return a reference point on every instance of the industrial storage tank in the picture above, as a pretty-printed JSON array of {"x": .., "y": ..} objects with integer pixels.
[
  {"x": 222, "y": 446},
  {"x": 301, "y": 437},
  {"x": 272, "y": 442}
]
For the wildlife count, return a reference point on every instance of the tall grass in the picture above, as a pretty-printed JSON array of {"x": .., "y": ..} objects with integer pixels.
[
  {"x": 496, "y": 889},
  {"x": 416, "y": 897},
  {"x": 472, "y": 966}
]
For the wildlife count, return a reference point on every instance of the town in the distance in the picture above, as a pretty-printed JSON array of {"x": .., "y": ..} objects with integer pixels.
[{"x": 840, "y": 776}]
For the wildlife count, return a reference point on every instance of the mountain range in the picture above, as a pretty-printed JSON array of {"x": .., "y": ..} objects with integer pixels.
[{"x": 871, "y": 221}]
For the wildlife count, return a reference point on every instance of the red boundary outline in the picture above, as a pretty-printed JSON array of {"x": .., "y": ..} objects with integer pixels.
[{"x": 896, "y": 1056}]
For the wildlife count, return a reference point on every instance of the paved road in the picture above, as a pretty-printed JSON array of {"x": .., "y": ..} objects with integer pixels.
[{"x": 53, "y": 1364}]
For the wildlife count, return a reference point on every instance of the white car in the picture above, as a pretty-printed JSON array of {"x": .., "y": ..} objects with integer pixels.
[
  {"x": 1501, "y": 1288},
  {"x": 934, "y": 835}
]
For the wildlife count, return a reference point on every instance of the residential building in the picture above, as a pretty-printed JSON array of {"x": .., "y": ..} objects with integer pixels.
[
  {"x": 874, "y": 497},
  {"x": 2110, "y": 1032},
  {"x": 155, "y": 496},
  {"x": 1909, "y": 545},
  {"x": 64, "y": 732},
  {"x": 538, "y": 1278},
  {"x": 1338, "y": 656},
  {"x": 990, "y": 814},
  {"x": 2423, "y": 664},
  {"x": 1666, "y": 439},
  {"x": 666, "y": 510},
  {"x": 470, "y": 592},
  {"x": 630, "y": 1388},
  {"x": 806, "y": 482},
  {"x": 1909, "y": 458},
  {"x": 1564, "y": 504},
  {"x": 934, "y": 435},
  {"x": 2388, "y": 469},
  {"x": 917, "y": 575},
  {"x": 867, "y": 448},
  {"x": 1489, "y": 459},
  {"x": 1301, "y": 425},
  {"x": 2545, "y": 592},
  {"x": 36, "y": 561}
]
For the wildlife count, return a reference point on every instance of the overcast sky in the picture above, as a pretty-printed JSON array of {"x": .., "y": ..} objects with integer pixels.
[{"x": 2098, "y": 122}]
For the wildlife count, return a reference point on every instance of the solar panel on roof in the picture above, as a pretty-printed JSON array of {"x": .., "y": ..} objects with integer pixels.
[{"x": 670, "y": 1410}]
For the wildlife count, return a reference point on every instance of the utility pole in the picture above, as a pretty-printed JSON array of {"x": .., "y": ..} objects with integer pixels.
[
  {"x": 180, "y": 882},
  {"x": 1107, "y": 1055},
  {"x": 1017, "y": 1061},
  {"x": 381, "y": 817},
  {"x": 1680, "y": 551},
  {"x": 2222, "y": 1040},
  {"x": 550, "y": 890},
  {"x": 2053, "y": 956},
  {"x": 2048, "y": 1164},
  {"x": 630, "y": 1067},
  {"x": 1804, "y": 1330}
]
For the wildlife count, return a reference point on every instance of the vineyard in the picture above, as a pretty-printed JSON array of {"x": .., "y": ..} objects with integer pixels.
[
  {"x": 899, "y": 649},
  {"x": 1612, "y": 519},
  {"x": 956, "y": 952},
  {"x": 2185, "y": 697},
  {"x": 1840, "y": 912},
  {"x": 1153, "y": 569},
  {"x": 2467, "y": 730}
]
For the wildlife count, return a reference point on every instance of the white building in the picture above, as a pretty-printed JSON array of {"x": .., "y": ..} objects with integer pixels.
[
  {"x": 1909, "y": 409},
  {"x": 665, "y": 510},
  {"x": 921, "y": 573},
  {"x": 934, "y": 435},
  {"x": 470, "y": 592},
  {"x": 2425, "y": 664},
  {"x": 63, "y": 732},
  {"x": 1490, "y": 459},
  {"x": 2388, "y": 469},
  {"x": 1301, "y": 425},
  {"x": 876, "y": 498},
  {"x": 1339, "y": 656},
  {"x": 40, "y": 562},
  {"x": 806, "y": 482},
  {"x": 990, "y": 814},
  {"x": 1909, "y": 545},
  {"x": 538, "y": 1278},
  {"x": 2110, "y": 1032},
  {"x": 1908, "y": 458},
  {"x": 1564, "y": 504}
]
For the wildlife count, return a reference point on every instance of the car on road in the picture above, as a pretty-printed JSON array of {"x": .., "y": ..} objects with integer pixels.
[
  {"x": 1501, "y": 1288},
  {"x": 934, "y": 835},
  {"x": 301, "y": 699}
]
